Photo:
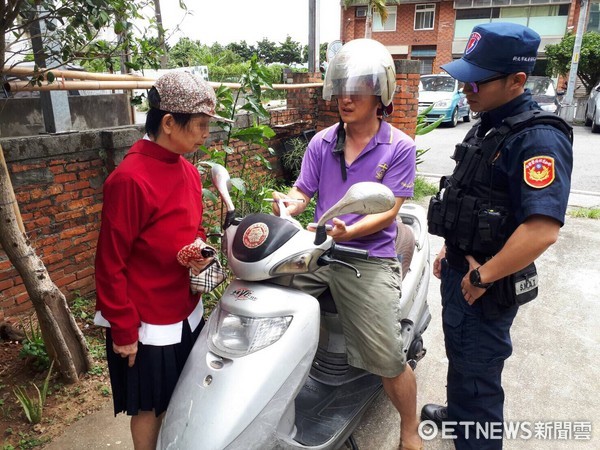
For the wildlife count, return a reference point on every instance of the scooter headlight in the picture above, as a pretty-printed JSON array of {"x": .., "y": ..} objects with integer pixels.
[
  {"x": 295, "y": 264},
  {"x": 236, "y": 336}
]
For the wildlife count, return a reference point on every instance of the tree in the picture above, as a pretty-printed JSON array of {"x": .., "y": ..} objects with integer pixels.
[
  {"x": 372, "y": 5},
  {"x": 289, "y": 52},
  {"x": 185, "y": 53},
  {"x": 67, "y": 32},
  {"x": 242, "y": 49},
  {"x": 560, "y": 55},
  {"x": 267, "y": 51}
]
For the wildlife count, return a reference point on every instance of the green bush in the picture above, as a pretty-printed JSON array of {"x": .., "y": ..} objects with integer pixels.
[{"x": 35, "y": 348}]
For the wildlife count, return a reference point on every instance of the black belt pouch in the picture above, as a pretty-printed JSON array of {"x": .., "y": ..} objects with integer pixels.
[{"x": 516, "y": 289}]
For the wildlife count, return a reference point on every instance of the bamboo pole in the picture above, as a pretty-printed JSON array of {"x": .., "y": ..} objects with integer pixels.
[
  {"x": 91, "y": 85},
  {"x": 73, "y": 74}
]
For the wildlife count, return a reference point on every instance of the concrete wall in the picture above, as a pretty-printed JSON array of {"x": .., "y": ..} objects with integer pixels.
[
  {"x": 58, "y": 180},
  {"x": 22, "y": 116}
]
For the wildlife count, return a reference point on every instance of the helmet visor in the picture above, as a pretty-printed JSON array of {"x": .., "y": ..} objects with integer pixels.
[{"x": 343, "y": 82}]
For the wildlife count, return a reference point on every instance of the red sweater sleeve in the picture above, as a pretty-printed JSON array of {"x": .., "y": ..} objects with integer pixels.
[{"x": 125, "y": 210}]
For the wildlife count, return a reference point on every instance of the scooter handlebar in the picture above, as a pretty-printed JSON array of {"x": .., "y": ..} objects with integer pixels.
[{"x": 342, "y": 250}]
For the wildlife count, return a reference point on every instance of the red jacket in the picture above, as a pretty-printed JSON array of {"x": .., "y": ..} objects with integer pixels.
[{"x": 152, "y": 208}]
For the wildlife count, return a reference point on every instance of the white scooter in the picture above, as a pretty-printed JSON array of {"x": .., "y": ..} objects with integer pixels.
[{"x": 269, "y": 370}]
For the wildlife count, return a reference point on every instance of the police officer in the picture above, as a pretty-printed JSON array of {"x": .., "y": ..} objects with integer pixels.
[{"x": 501, "y": 208}]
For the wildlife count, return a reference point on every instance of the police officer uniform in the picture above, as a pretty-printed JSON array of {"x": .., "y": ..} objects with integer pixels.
[{"x": 514, "y": 163}]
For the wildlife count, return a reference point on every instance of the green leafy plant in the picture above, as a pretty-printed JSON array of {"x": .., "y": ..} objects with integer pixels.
[
  {"x": 35, "y": 348},
  {"x": 291, "y": 158},
  {"x": 33, "y": 405},
  {"x": 105, "y": 391},
  {"x": 247, "y": 100}
]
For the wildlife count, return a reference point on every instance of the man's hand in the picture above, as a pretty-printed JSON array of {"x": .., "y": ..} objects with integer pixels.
[
  {"x": 437, "y": 263},
  {"x": 295, "y": 207},
  {"x": 470, "y": 292},
  {"x": 127, "y": 351},
  {"x": 340, "y": 232}
]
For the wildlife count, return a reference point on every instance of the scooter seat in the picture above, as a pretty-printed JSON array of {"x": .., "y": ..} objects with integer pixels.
[{"x": 405, "y": 246}]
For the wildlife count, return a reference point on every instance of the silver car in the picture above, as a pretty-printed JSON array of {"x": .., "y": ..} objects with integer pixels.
[{"x": 592, "y": 110}]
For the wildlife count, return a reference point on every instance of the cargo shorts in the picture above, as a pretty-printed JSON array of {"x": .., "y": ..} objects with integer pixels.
[{"x": 369, "y": 309}]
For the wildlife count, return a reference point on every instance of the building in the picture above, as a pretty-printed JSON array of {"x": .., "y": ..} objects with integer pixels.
[{"x": 436, "y": 32}]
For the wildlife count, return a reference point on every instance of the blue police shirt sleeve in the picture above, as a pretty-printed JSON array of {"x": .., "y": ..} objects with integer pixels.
[{"x": 540, "y": 162}]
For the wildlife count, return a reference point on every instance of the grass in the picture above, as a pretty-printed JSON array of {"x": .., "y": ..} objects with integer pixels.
[
  {"x": 423, "y": 188},
  {"x": 586, "y": 213}
]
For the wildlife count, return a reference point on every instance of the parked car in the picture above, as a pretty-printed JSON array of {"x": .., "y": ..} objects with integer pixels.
[
  {"x": 544, "y": 93},
  {"x": 592, "y": 110},
  {"x": 446, "y": 95}
]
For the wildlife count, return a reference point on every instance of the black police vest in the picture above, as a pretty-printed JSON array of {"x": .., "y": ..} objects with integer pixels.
[{"x": 472, "y": 211}]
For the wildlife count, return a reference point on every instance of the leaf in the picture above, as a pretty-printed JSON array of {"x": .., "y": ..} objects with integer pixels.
[
  {"x": 209, "y": 195},
  {"x": 239, "y": 184}
]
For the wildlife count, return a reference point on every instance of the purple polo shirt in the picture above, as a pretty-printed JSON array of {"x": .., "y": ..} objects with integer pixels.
[{"x": 389, "y": 158}]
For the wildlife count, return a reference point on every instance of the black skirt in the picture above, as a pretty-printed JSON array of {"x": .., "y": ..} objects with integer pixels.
[{"x": 149, "y": 384}]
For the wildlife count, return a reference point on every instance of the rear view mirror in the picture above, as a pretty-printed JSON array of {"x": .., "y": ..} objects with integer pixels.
[
  {"x": 362, "y": 198},
  {"x": 221, "y": 180}
]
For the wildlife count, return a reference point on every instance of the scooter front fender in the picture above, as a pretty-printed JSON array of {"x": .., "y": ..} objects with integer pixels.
[{"x": 219, "y": 399}]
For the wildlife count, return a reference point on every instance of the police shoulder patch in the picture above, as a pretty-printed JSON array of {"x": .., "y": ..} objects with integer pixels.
[{"x": 538, "y": 172}]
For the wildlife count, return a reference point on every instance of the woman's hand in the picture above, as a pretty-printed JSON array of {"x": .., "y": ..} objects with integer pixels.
[
  {"x": 127, "y": 351},
  {"x": 195, "y": 256}
]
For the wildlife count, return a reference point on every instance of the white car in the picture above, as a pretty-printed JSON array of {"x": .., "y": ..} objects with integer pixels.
[
  {"x": 592, "y": 110},
  {"x": 447, "y": 97}
]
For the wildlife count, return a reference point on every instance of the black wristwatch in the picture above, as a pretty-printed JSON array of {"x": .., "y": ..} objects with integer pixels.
[{"x": 475, "y": 279}]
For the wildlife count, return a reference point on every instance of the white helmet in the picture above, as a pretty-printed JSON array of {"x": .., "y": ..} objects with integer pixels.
[{"x": 362, "y": 67}]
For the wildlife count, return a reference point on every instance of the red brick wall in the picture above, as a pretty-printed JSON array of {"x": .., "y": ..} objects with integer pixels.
[
  {"x": 58, "y": 189},
  {"x": 445, "y": 18}
]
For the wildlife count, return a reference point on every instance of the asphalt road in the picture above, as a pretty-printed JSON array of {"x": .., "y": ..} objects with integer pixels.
[{"x": 552, "y": 380}]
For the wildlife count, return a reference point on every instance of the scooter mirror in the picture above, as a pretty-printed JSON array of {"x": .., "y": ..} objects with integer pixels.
[
  {"x": 221, "y": 180},
  {"x": 366, "y": 197}
]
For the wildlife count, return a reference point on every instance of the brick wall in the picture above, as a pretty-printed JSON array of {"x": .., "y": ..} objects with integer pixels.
[{"x": 58, "y": 181}]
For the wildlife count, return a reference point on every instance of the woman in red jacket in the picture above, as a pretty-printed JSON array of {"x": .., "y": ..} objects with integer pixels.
[{"x": 152, "y": 210}]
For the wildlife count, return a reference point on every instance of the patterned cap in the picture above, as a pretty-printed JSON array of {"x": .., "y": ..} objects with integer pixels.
[{"x": 184, "y": 92}]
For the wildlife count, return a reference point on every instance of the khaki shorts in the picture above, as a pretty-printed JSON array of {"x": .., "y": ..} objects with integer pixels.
[{"x": 369, "y": 308}]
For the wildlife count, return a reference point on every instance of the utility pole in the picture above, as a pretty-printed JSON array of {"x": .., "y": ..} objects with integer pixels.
[
  {"x": 55, "y": 104},
  {"x": 314, "y": 44},
  {"x": 567, "y": 110}
]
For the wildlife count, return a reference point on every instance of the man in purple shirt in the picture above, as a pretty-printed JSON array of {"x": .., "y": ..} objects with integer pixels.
[{"x": 362, "y": 147}]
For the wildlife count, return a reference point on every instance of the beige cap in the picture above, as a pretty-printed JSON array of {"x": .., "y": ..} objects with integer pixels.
[{"x": 184, "y": 92}]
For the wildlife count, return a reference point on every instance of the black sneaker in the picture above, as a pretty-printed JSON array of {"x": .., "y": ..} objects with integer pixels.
[{"x": 435, "y": 413}]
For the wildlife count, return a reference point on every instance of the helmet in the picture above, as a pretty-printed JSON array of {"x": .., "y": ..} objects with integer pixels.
[{"x": 362, "y": 67}]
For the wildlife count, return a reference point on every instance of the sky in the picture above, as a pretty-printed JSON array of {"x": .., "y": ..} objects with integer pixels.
[{"x": 228, "y": 21}]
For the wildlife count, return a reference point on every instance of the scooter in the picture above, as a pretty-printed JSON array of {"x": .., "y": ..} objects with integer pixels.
[{"x": 269, "y": 370}]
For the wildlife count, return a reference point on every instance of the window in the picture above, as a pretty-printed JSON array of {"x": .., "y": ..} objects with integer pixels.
[
  {"x": 425, "y": 54},
  {"x": 424, "y": 16},
  {"x": 390, "y": 23},
  {"x": 361, "y": 11},
  {"x": 594, "y": 22}
]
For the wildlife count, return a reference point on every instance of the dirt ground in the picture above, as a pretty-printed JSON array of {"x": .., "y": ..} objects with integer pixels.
[{"x": 64, "y": 403}]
